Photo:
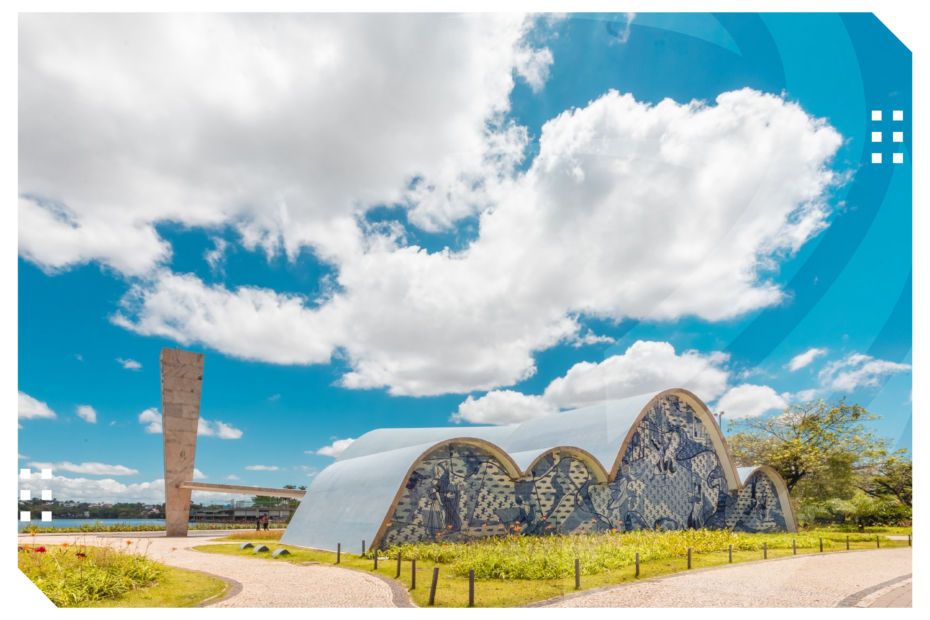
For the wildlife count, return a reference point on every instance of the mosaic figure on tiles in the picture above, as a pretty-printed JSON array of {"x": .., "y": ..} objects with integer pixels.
[{"x": 670, "y": 478}]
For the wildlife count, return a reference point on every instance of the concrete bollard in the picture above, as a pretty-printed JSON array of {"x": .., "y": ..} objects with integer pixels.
[
  {"x": 637, "y": 563},
  {"x": 689, "y": 558},
  {"x": 731, "y": 554},
  {"x": 338, "y": 552},
  {"x": 413, "y": 574},
  {"x": 246, "y": 545},
  {"x": 794, "y": 546},
  {"x": 397, "y": 576},
  {"x": 577, "y": 574},
  {"x": 821, "y": 544},
  {"x": 471, "y": 588},
  {"x": 432, "y": 588}
]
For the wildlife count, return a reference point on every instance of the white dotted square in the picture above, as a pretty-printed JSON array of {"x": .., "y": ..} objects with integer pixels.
[
  {"x": 876, "y": 158},
  {"x": 24, "y": 474},
  {"x": 876, "y": 136},
  {"x": 897, "y": 136},
  {"x": 47, "y": 495},
  {"x": 25, "y": 516},
  {"x": 876, "y": 115},
  {"x": 46, "y": 515},
  {"x": 25, "y": 495},
  {"x": 897, "y": 115},
  {"x": 897, "y": 158},
  {"x": 47, "y": 474}
]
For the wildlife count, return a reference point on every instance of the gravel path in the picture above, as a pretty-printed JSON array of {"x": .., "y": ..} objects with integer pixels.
[
  {"x": 828, "y": 580},
  {"x": 254, "y": 583}
]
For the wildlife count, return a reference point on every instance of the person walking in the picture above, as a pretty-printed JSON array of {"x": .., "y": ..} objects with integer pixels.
[
  {"x": 265, "y": 522},
  {"x": 258, "y": 523}
]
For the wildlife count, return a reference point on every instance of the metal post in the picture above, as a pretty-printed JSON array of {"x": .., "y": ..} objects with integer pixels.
[
  {"x": 413, "y": 574},
  {"x": 821, "y": 544},
  {"x": 731, "y": 554},
  {"x": 765, "y": 551},
  {"x": 363, "y": 547},
  {"x": 432, "y": 588},
  {"x": 471, "y": 588},
  {"x": 689, "y": 558},
  {"x": 847, "y": 542},
  {"x": 577, "y": 574},
  {"x": 338, "y": 552},
  {"x": 637, "y": 563},
  {"x": 794, "y": 546},
  {"x": 398, "y": 566}
]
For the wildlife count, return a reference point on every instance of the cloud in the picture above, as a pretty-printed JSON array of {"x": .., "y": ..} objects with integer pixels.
[
  {"x": 748, "y": 172},
  {"x": 153, "y": 419},
  {"x": 79, "y": 357},
  {"x": 103, "y": 490},
  {"x": 198, "y": 475},
  {"x": 30, "y": 408},
  {"x": 87, "y": 413},
  {"x": 274, "y": 397},
  {"x": 262, "y": 467},
  {"x": 748, "y": 401},
  {"x": 94, "y": 469},
  {"x": 858, "y": 370},
  {"x": 644, "y": 367},
  {"x": 98, "y": 173},
  {"x": 21, "y": 457},
  {"x": 216, "y": 257},
  {"x": 335, "y": 449},
  {"x": 129, "y": 364},
  {"x": 804, "y": 396},
  {"x": 623, "y": 35},
  {"x": 233, "y": 477},
  {"x": 592, "y": 338},
  {"x": 503, "y": 407},
  {"x": 803, "y": 359},
  {"x": 205, "y": 427}
]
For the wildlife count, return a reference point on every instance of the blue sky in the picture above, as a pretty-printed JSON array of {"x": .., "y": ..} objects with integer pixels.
[{"x": 448, "y": 220}]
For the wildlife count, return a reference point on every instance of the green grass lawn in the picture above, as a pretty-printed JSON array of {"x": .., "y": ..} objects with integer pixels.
[
  {"x": 452, "y": 589},
  {"x": 112, "y": 576}
]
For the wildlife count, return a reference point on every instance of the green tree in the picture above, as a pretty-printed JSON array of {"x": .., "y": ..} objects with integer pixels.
[
  {"x": 822, "y": 450},
  {"x": 892, "y": 477}
]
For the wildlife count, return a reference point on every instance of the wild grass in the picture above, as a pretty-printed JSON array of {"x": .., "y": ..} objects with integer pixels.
[
  {"x": 254, "y": 535},
  {"x": 73, "y": 575}
]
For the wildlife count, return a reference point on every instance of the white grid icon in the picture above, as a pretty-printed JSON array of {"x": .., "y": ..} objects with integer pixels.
[
  {"x": 24, "y": 474},
  {"x": 876, "y": 158},
  {"x": 897, "y": 158},
  {"x": 876, "y": 115},
  {"x": 876, "y": 136},
  {"x": 47, "y": 495},
  {"x": 897, "y": 115},
  {"x": 46, "y": 474},
  {"x": 46, "y": 515},
  {"x": 897, "y": 136},
  {"x": 25, "y": 516},
  {"x": 25, "y": 495}
]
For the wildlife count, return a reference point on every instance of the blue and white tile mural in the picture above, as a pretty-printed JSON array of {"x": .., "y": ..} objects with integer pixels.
[{"x": 670, "y": 477}]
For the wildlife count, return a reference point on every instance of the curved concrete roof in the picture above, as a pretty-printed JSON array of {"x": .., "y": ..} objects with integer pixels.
[{"x": 352, "y": 499}]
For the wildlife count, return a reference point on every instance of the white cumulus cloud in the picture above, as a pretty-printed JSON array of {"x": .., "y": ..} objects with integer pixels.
[
  {"x": 858, "y": 370},
  {"x": 335, "y": 449},
  {"x": 30, "y": 408},
  {"x": 233, "y": 477},
  {"x": 94, "y": 469},
  {"x": 87, "y": 413},
  {"x": 207, "y": 428},
  {"x": 198, "y": 475},
  {"x": 804, "y": 359},
  {"x": 262, "y": 467},
  {"x": 152, "y": 419},
  {"x": 748, "y": 401},
  {"x": 503, "y": 407},
  {"x": 129, "y": 364}
]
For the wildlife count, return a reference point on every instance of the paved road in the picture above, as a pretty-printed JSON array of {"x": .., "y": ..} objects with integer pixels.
[
  {"x": 828, "y": 580},
  {"x": 254, "y": 583}
]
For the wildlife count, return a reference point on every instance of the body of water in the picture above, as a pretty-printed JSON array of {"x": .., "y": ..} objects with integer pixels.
[{"x": 79, "y": 522}]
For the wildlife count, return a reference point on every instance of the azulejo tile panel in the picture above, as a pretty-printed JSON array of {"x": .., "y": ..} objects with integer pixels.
[{"x": 670, "y": 477}]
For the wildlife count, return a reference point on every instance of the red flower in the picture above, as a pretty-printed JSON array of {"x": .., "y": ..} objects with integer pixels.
[
  {"x": 39, "y": 549},
  {"x": 80, "y": 555}
]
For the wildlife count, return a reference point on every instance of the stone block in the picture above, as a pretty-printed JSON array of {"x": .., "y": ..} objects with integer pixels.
[
  {"x": 261, "y": 549},
  {"x": 246, "y": 545},
  {"x": 280, "y": 553}
]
